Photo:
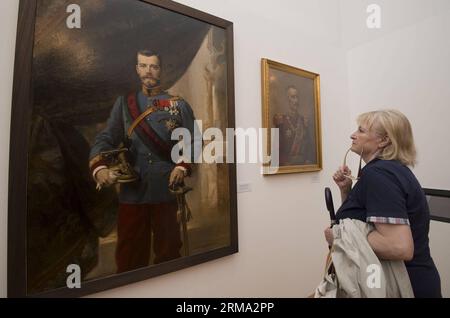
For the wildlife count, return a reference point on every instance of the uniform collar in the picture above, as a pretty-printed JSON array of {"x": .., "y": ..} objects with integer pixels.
[{"x": 154, "y": 91}]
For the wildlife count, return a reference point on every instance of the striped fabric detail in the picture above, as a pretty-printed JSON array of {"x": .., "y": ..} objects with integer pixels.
[{"x": 387, "y": 220}]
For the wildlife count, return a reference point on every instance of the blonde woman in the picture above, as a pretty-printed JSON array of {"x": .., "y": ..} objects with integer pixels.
[{"x": 388, "y": 195}]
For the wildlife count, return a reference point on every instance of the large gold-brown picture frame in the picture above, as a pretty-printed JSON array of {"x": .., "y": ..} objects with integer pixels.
[{"x": 291, "y": 105}]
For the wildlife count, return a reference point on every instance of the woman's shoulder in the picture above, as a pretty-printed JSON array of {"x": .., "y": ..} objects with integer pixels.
[
  {"x": 386, "y": 169},
  {"x": 380, "y": 165},
  {"x": 390, "y": 171}
]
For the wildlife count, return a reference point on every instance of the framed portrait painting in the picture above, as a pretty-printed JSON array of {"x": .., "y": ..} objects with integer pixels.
[
  {"x": 98, "y": 197},
  {"x": 291, "y": 115}
]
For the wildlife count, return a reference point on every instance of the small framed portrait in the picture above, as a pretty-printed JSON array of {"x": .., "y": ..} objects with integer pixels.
[
  {"x": 291, "y": 115},
  {"x": 97, "y": 199}
]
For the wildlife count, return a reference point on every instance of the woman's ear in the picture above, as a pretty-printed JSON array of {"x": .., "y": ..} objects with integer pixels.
[{"x": 385, "y": 141}]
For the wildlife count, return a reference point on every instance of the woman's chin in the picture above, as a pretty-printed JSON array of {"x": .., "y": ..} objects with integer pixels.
[{"x": 355, "y": 149}]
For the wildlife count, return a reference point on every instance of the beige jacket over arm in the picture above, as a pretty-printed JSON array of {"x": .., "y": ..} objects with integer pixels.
[{"x": 359, "y": 272}]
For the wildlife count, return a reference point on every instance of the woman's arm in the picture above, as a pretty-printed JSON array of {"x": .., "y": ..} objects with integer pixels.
[{"x": 392, "y": 241}]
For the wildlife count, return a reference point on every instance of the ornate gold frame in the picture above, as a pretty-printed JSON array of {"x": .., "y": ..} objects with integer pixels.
[{"x": 268, "y": 169}]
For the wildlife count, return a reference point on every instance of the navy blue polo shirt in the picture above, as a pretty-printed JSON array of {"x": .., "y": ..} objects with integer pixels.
[{"x": 388, "y": 192}]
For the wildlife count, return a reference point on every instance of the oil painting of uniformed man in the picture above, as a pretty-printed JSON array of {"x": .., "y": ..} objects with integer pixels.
[
  {"x": 104, "y": 192},
  {"x": 291, "y": 105}
]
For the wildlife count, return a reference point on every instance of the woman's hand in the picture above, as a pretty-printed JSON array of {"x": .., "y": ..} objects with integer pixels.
[
  {"x": 344, "y": 183},
  {"x": 329, "y": 236}
]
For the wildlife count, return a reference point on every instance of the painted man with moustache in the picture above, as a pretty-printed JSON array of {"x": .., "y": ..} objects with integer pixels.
[{"x": 146, "y": 207}]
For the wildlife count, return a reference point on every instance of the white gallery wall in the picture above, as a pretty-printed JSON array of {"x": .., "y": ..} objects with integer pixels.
[{"x": 281, "y": 221}]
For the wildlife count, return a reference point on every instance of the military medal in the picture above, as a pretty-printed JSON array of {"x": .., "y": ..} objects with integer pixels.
[
  {"x": 171, "y": 124},
  {"x": 170, "y": 106}
]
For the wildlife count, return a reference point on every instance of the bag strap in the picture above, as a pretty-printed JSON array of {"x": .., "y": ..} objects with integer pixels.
[{"x": 329, "y": 268}]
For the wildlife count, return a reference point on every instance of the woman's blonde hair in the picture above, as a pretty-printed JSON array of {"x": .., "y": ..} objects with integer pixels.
[{"x": 396, "y": 126}]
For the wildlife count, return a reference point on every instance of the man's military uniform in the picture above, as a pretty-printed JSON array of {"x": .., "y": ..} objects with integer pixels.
[
  {"x": 294, "y": 144},
  {"x": 146, "y": 205}
]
